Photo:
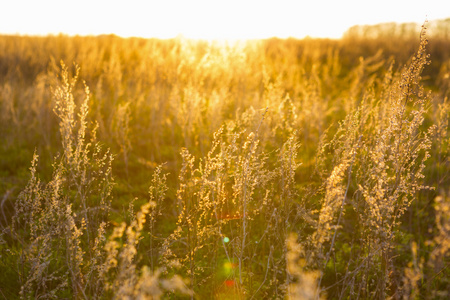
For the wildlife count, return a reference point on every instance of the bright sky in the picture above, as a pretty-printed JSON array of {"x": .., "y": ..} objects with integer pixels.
[{"x": 210, "y": 19}]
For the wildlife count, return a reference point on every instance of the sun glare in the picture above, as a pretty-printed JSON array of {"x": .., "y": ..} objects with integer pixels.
[{"x": 201, "y": 19}]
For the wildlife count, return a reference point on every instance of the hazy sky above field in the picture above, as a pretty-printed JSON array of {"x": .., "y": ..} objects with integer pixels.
[{"x": 224, "y": 19}]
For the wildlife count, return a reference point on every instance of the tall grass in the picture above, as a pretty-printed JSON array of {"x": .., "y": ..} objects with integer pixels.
[{"x": 188, "y": 169}]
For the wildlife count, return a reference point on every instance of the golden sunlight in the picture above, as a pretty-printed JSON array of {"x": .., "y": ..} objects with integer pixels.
[
  {"x": 218, "y": 153},
  {"x": 201, "y": 19}
]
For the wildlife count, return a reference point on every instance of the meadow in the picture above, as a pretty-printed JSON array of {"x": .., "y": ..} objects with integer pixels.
[{"x": 266, "y": 169}]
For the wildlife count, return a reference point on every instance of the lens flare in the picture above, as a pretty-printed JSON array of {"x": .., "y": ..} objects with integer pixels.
[{"x": 229, "y": 282}]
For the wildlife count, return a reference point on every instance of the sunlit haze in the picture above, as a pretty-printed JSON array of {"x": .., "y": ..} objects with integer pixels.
[{"x": 209, "y": 19}]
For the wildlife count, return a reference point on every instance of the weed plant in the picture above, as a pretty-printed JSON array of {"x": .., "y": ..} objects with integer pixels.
[{"x": 269, "y": 169}]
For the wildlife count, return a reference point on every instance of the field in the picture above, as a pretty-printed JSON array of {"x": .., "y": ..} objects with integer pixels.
[{"x": 267, "y": 169}]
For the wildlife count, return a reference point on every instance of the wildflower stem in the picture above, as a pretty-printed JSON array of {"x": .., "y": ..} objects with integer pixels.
[{"x": 339, "y": 218}]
